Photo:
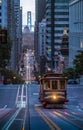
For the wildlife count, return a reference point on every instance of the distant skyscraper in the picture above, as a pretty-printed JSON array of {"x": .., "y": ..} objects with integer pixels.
[
  {"x": 29, "y": 20},
  {"x": 40, "y": 10},
  {"x": 42, "y": 38},
  {"x": 57, "y": 17}
]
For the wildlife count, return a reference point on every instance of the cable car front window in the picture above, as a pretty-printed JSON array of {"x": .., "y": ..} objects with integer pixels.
[
  {"x": 54, "y": 85},
  {"x": 47, "y": 85},
  {"x": 62, "y": 85}
]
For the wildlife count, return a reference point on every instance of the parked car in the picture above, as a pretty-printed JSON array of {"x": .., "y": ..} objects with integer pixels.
[{"x": 72, "y": 81}]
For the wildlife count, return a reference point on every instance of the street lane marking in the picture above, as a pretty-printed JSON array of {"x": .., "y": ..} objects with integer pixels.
[
  {"x": 67, "y": 119},
  {"x": 5, "y": 107},
  {"x": 37, "y": 105},
  {"x": 21, "y": 98},
  {"x": 26, "y": 94},
  {"x": 71, "y": 115},
  {"x": 8, "y": 124},
  {"x": 50, "y": 123},
  {"x": 46, "y": 120},
  {"x": 17, "y": 94},
  {"x": 35, "y": 94}
]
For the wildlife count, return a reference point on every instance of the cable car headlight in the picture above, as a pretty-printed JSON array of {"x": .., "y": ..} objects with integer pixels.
[{"x": 54, "y": 97}]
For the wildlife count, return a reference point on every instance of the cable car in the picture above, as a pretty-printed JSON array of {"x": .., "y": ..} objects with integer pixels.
[{"x": 53, "y": 89}]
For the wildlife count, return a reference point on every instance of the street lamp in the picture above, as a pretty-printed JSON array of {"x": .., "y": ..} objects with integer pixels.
[{"x": 14, "y": 77}]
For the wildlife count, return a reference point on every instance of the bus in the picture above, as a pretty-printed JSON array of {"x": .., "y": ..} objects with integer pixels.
[{"x": 52, "y": 89}]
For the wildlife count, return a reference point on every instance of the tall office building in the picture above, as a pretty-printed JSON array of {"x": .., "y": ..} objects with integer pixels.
[
  {"x": 40, "y": 9},
  {"x": 7, "y": 21},
  {"x": 12, "y": 32},
  {"x": 11, "y": 18},
  {"x": 3, "y": 13},
  {"x": 42, "y": 45},
  {"x": 18, "y": 26},
  {"x": 76, "y": 29},
  {"x": 57, "y": 17}
]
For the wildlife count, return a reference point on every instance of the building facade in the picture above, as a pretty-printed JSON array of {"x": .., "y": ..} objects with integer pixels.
[
  {"x": 76, "y": 29},
  {"x": 42, "y": 38},
  {"x": 42, "y": 45},
  {"x": 12, "y": 32},
  {"x": 65, "y": 48},
  {"x": 11, "y": 19},
  {"x": 3, "y": 13},
  {"x": 57, "y": 17},
  {"x": 18, "y": 26},
  {"x": 40, "y": 9}
]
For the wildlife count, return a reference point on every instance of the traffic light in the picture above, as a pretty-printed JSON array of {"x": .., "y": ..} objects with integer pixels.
[{"x": 3, "y": 36}]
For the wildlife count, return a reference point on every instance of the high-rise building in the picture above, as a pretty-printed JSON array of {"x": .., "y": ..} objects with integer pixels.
[
  {"x": 65, "y": 48},
  {"x": 42, "y": 38},
  {"x": 57, "y": 17},
  {"x": 3, "y": 13},
  {"x": 18, "y": 26},
  {"x": 11, "y": 18},
  {"x": 29, "y": 20},
  {"x": 40, "y": 9},
  {"x": 76, "y": 29},
  {"x": 42, "y": 45},
  {"x": 12, "y": 32}
]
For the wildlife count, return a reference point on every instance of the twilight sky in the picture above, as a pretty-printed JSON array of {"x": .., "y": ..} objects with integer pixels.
[{"x": 28, "y": 5}]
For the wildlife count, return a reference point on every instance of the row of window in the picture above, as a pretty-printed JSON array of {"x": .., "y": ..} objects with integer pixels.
[
  {"x": 0, "y": 7},
  {"x": 56, "y": 31},
  {"x": 0, "y": 15},
  {"x": 59, "y": 7},
  {"x": 58, "y": 1},
  {"x": 58, "y": 13},
  {"x": 58, "y": 25},
  {"x": 58, "y": 19},
  {"x": 53, "y": 85},
  {"x": 56, "y": 37}
]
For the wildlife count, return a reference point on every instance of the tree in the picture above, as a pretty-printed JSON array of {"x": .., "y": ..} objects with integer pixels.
[
  {"x": 69, "y": 72},
  {"x": 5, "y": 51},
  {"x": 11, "y": 76},
  {"x": 78, "y": 63}
]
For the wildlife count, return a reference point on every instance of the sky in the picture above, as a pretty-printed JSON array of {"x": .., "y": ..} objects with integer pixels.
[{"x": 28, "y": 5}]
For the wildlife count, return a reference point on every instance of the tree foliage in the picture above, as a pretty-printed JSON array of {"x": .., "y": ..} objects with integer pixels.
[
  {"x": 11, "y": 76},
  {"x": 78, "y": 62},
  {"x": 69, "y": 72},
  {"x": 77, "y": 70}
]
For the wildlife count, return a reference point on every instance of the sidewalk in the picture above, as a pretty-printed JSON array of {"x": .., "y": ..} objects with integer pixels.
[{"x": 75, "y": 95}]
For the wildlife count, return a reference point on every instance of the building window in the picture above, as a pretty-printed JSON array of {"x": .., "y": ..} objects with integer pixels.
[
  {"x": 0, "y": 20},
  {"x": 61, "y": 13},
  {"x": 81, "y": 44}
]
